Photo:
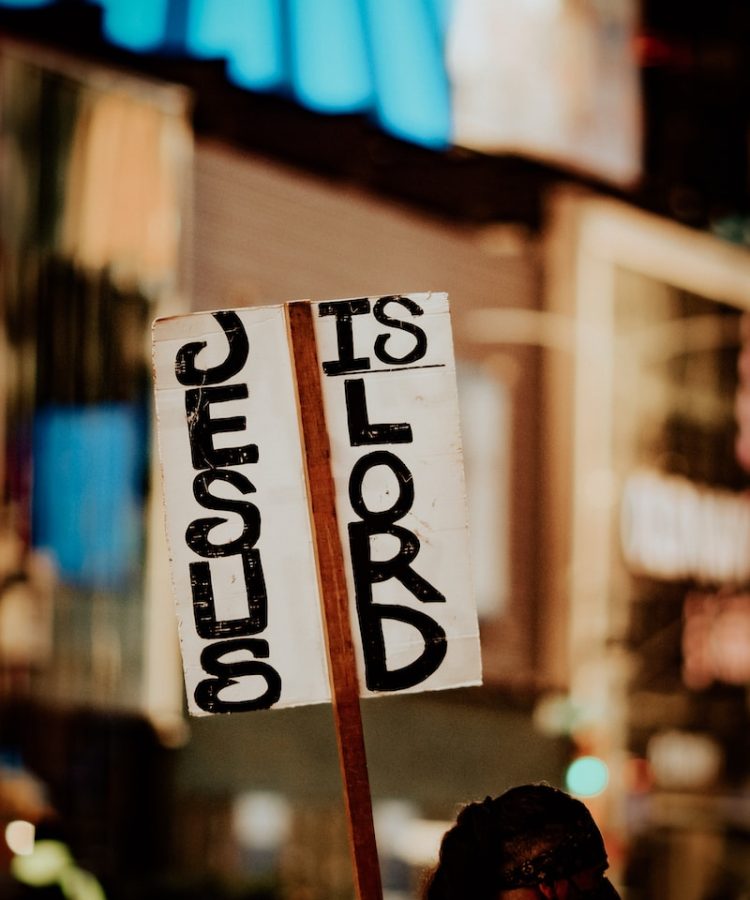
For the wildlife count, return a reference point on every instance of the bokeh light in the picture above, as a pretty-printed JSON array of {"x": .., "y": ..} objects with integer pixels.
[{"x": 587, "y": 776}]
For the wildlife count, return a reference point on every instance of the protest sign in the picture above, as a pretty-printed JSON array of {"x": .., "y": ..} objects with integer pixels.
[
  {"x": 237, "y": 509},
  {"x": 389, "y": 390},
  {"x": 326, "y": 436},
  {"x": 238, "y": 529}
]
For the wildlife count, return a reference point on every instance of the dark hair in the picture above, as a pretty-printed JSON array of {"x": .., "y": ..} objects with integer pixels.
[{"x": 528, "y": 835}]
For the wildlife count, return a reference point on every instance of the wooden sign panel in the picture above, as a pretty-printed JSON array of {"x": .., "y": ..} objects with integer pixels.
[
  {"x": 389, "y": 388},
  {"x": 237, "y": 510},
  {"x": 238, "y": 530}
]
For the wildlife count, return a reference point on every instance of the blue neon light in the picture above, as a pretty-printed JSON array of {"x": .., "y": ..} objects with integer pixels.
[
  {"x": 212, "y": 27},
  {"x": 412, "y": 90},
  {"x": 247, "y": 32},
  {"x": 137, "y": 25},
  {"x": 442, "y": 12},
  {"x": 383, "y": 57},
  {"x": 330, "y": 71},
  {"x": 26, "y": 4},
  {"x": 87, "y": 498}
]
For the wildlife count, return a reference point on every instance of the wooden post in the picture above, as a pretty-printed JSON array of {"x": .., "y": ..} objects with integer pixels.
[{"x": 334, "y": 597}]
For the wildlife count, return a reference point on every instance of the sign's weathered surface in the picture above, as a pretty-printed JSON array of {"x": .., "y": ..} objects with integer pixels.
[
  {"x": 389, "y": 386},
  {"x": 240, "y": 538}
]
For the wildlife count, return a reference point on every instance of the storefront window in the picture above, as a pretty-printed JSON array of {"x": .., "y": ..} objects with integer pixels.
[{"x": 93, "y": 190}]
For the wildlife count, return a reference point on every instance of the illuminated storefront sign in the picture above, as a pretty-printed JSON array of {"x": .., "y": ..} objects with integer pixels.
[
  {"x": 716, "y": 639},
  {"x": 674, "y": 529},
  {"x": 684, "y": 760}
]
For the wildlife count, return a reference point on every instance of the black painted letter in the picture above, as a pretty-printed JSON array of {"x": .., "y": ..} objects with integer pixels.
[
  {"x": 420, "y": 346},
  {"x": 185, "y": 369},
  {"x": 344, "y": 310},
  {"x": 202, "y": 428},
  {"x": 228, "y": 673},
  {"x": 360, "y": 430},
  {"x": 197, "y": 538},
  {"x": 368, "y": 572}
]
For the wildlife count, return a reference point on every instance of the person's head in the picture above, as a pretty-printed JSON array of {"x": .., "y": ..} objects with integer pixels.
[{"x": 534, "y": 842}]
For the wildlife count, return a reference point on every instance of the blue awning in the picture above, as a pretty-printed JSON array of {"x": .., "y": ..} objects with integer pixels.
[{"x": 382, "y": 58}]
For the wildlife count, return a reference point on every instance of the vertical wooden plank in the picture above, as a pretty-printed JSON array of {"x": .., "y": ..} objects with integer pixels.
[{"x": 333, "y": 591}]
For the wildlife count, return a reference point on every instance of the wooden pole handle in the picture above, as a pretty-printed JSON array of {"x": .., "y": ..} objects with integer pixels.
[{"x": 334, "y": 597}]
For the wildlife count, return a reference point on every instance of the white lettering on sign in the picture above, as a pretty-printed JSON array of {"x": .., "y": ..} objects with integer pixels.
[
  {"x": 674, "y": 529},
  {"x": 241, "y": 546}
]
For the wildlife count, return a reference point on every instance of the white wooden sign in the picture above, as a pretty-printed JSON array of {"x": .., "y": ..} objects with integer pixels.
[
  {"x": 238, "y": 526},
  {"x": 238, "y": 531}
]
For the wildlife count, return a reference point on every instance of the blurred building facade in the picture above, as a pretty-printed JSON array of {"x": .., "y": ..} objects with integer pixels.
[{"x": 598, "y": 326}]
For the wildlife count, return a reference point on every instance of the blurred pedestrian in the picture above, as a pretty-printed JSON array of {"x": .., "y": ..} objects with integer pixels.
[{"x": 534, "y": 842}]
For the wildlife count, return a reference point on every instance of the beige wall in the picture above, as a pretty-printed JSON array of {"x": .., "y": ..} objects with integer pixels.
[{"x": 265, "y": 234}]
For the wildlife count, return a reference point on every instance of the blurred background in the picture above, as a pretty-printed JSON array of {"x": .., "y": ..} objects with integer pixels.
[{"x": 575, "y": 173}]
